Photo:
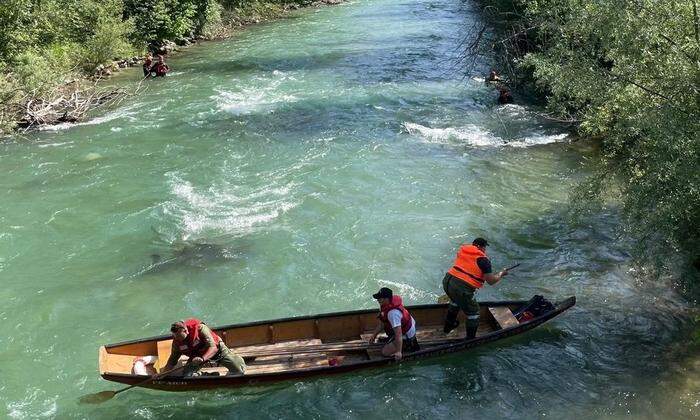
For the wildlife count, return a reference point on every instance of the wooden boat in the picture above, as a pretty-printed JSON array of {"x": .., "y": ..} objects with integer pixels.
[{"x": 302, "y": 347}]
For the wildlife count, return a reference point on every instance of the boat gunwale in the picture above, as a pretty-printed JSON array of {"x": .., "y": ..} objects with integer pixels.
[
  {"x": 308, "y": 317},
  {"x": 172, "y": 384}
]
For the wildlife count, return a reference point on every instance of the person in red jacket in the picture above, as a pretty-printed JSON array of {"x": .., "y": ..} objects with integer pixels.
[
  {"x": 470, "y": 270},
  {"x": 160, "y": 69},
  {"x": 397, "y": 323},
  {"x": 203, "y": 347},
  {"x": 147, "y": 63}
]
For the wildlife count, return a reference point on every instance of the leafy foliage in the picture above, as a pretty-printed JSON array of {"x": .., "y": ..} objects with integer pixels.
[
  {"x": 628, "y": 72},
  {"x": 46, "y": 42}
]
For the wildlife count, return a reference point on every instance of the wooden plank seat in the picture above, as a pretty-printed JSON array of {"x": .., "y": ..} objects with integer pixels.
[
  {"x": 259, "y": 349},
  {"x": 504, "y": 317},
  {"x": 294, "y": 362},
  {"x": 434, "y": 334}
]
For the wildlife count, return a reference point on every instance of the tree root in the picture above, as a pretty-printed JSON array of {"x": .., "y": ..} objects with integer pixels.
[{"x": 66, "y": 103}]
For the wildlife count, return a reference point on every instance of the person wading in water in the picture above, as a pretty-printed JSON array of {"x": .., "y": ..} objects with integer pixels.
[
  {"x": 160, "y": 69},
  {"x": 196, "y": 341},
  {"x": 147, "y": 63},
  {"x": 397, "y": 323},
  {"x": 470, "y": 270}
]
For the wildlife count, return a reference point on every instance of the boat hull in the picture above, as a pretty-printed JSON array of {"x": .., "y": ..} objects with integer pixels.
[{"x": 208, "y": 382}]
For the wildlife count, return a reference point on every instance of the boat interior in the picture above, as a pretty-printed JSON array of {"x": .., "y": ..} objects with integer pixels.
[{"x": 307, "y": 343}]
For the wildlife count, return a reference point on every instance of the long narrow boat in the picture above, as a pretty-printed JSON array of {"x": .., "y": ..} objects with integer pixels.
[{"x": 302, "y": 347}]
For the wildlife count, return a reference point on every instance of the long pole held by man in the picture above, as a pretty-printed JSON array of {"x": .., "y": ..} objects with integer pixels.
[{"x": 470, "y": 270}]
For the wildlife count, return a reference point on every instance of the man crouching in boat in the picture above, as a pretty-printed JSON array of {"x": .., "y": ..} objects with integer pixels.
[
  {"x": 471, "y": 269},
  {"x": 203, "y": 347},
  {"x": 397, "y": 323}
]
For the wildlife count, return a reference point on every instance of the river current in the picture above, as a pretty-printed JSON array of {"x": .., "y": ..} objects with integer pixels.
[{"x": 294, "y": 169}]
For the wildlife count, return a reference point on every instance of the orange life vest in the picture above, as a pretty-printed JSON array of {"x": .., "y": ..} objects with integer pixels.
[
  {"x": 406, "y": 320},
  {"x": 465, "y": 267},
  {"x": 192, "y": 346}
]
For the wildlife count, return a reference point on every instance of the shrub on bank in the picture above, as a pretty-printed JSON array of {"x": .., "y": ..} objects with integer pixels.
[
  {"x": 44, "y": 43},
  {"x": 628, "y": 73}
]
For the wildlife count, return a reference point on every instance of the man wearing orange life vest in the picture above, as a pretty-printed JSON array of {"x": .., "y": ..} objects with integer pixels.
[
  {"x": 397, "y": 323},
  {"x": 471, "y": 269},
  {"x": 202, "y": 346}
]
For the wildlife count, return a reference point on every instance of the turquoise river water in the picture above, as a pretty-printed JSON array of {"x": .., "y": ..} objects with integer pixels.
[{"x": 294, "y": 170}]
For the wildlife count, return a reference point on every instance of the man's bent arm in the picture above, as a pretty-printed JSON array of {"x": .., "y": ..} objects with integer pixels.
[
  {"x": 495, "y": 278},
  {"x": 398, "y": 338},
  {"x": 205, "y": 335},
  {"x": 174, "y": 357}
]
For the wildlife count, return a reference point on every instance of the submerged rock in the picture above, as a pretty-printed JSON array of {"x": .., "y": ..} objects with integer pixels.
[
  {"x": 190, "y": 254},
  {"x": 92, "y": 156}
]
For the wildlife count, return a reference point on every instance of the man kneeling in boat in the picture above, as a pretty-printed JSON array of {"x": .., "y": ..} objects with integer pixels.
[
  {"x": 397, "y": 323},
  {"x": 470, "y": 270},
  {"x": 195, "y": 340}
]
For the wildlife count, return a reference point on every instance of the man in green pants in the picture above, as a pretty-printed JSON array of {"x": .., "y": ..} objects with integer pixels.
[
  {"x": 468, "y": 273},
  {"x": 203, "y": 346}
]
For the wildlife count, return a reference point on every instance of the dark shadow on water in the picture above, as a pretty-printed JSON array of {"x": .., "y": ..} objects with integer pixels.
[
  {"x": 384, "y": 62},
  {"x": 256, "y": 64},
  {"x": 192, "y": 254}
]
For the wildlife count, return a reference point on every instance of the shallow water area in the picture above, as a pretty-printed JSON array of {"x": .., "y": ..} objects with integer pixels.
[{"x": 293, "y": 170}]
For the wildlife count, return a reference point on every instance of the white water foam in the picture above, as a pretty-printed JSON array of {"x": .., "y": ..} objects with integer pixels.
[
  {"x": 470, "y": 134},
  {"x": 36, "y": 404},
  {"x": 123, "y": 113},
  {"x": 263, "y": 95},
  {"x": 476, "y": 136},
  {"x": 59, "y": 144},
  {"x": 224, "y": 209}
]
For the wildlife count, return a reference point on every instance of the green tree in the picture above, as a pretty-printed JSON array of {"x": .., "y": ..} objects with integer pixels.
[{"x": 628, "y": 72}]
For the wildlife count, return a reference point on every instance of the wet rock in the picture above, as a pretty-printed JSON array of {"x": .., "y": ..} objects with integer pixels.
[
  {"x": 182, "y": 42},
  {"x": 196, "y": 254},
  {"x": 67, "y": 118},
  {"x": 92, "y": 156}
]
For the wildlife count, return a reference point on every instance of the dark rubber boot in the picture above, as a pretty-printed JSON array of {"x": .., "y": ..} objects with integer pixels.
[
  {"x": 471, "y": 325},
  {"x": 451, "y": 319}
]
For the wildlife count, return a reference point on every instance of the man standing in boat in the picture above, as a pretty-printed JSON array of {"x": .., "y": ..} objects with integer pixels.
[
  {"x": 195, "y": 340},
  {"x": 470, "y": 270},
  {"x": 397, "y": 323}
]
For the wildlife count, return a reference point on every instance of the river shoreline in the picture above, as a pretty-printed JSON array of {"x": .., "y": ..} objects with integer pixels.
[
  {"x": 319, "y": 158},
  {"x": 73, "y": 100}
]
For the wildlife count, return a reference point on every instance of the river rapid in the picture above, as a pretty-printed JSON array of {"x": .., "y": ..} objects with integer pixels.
[{"x": 294, "y": 170}]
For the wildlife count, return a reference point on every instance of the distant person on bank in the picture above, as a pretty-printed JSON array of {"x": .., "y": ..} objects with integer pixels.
[
  {"x": 470, "y": 270},
  {"x": 493, "y": 76},
  {"x": 203, "y": 347},
  {"x": 397, "y": 323},
  {"x": 504, "y": 96},
  {"x": 147, "y": 63}
]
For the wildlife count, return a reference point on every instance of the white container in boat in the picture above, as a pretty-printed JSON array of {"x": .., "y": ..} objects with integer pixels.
[
  {"x": 149, "y": 360},
  {"x": 140, "y": 363},
  {"x": 139, "y": 368}
]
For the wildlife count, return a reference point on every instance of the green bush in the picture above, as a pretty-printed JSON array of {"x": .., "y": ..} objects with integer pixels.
[
  {"x": 628, "y": 72},
  {"x": 109, "y": 42},
  {"x": 44, "y": 42}
]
